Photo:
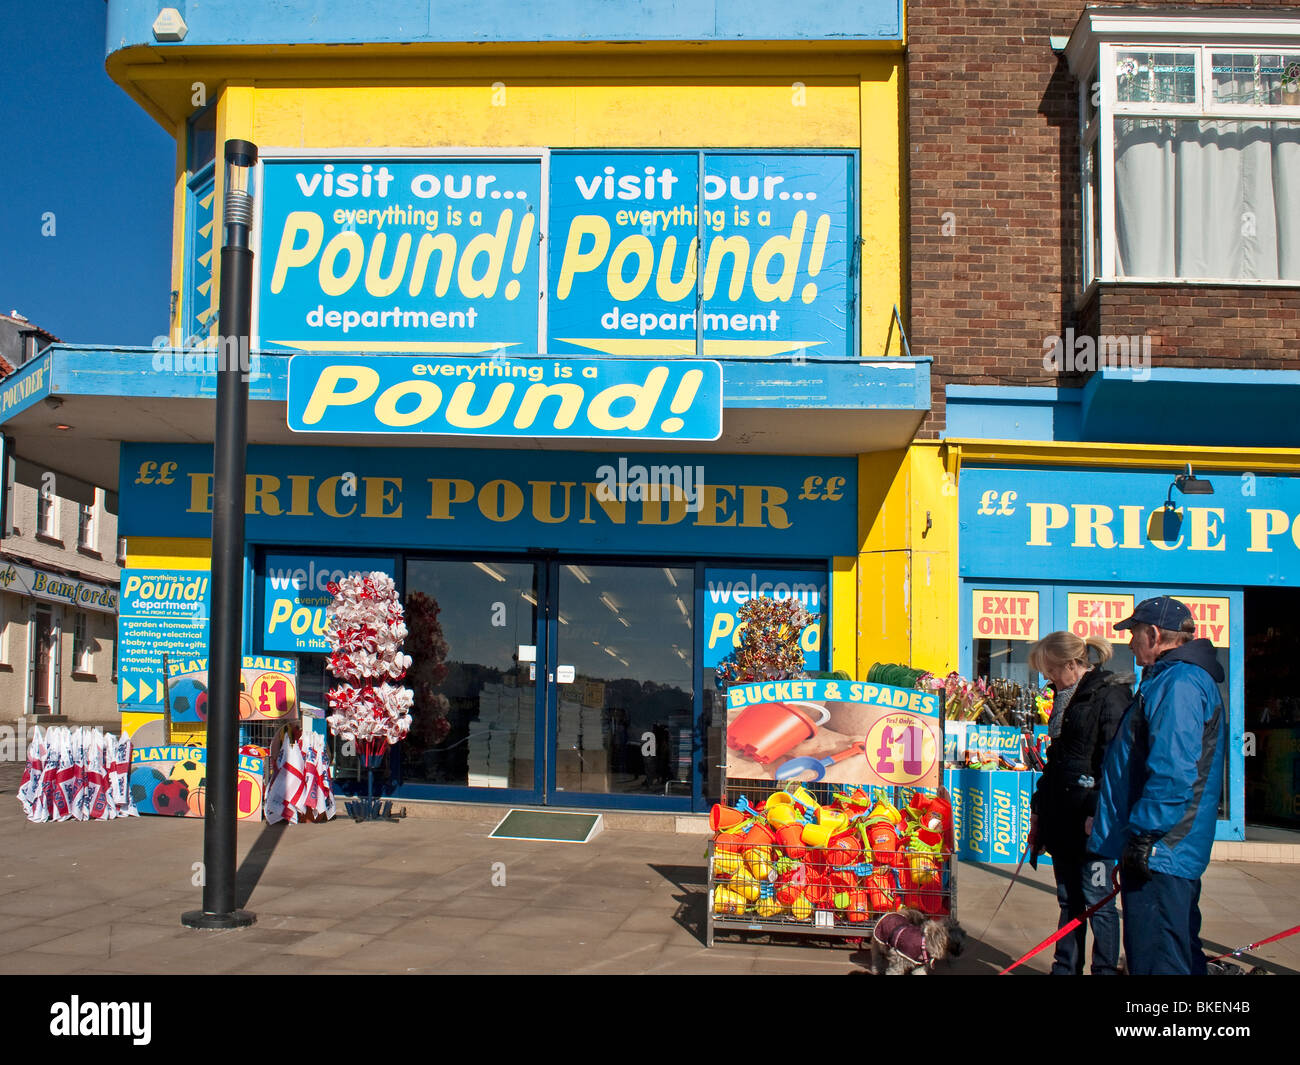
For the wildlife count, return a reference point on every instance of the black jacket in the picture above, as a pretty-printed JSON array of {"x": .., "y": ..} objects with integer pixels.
[{"x": 1063, "y": 799}]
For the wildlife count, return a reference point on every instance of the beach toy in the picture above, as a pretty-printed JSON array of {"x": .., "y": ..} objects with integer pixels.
[
  {"x": 757, "y": 844},
  {"x": 790, "y": 839},
  {"x": 882, "y": 841},
  {"x": 724, "y": 818},
  {"x": 727, "y": 901},
  {"x": 726, "y": 861},
  {"x": 766, "y": 731},
  {"x": 768, "y": 907},
  {"x": 802, "y": 798},
  {"x": 796, "y": 767},
  {"x": 859, "y": 907},
  {"x": 743, "y": 806},
  {"x": 782, "y": 813},
  {"x": 884, "y": 811},
  {"x": 777, "y": 797},
  {"x": 817, "y": 835},
  {"x": 882, "y": 892},
  {"x": 831, "y": 818},
  {"x": 844, "y": 849},
  {"x": 790, "y": 885},
  {"x": 745, "y": 886},
  {"x": 801, "y": 909},
  {"x": 760, "y": 865}
]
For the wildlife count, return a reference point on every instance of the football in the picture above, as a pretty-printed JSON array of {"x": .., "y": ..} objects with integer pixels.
[
  {"x": 144, "y": 781},
  {"x": 189, "y": 699},
  {"x": 171, "y": 798}
]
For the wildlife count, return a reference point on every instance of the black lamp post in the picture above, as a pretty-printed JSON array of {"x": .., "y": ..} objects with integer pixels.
[{"x": 226, "y": 625}]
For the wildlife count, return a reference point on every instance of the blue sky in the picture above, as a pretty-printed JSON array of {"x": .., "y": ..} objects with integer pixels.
[{"x": 79, "y": 147}]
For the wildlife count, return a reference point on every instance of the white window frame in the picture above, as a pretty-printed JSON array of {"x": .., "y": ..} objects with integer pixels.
[
  {"x": 1099, "y": 37},
  {"x": 91, "y": 514},
  {"x": 83, "y": 660},
  {"x": 50, "y": 527}
]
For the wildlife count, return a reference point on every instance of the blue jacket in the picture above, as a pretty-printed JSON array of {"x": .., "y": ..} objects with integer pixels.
[{"x": 1163, "y": 773}]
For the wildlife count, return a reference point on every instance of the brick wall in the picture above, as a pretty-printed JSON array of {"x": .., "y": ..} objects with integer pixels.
[{"x": 994, "y": 215}]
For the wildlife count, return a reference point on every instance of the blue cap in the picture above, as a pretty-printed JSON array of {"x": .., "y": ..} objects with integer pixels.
[{"x": 1163, "y": 612}]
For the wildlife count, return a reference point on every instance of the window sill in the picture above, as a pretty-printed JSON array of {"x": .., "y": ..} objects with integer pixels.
[
  {"x": 89, "y": 552},
  {"x": 5, "y": 667},
  {"x": 46, "y": 538},
  {"x": 1205, "y": 281},
  {"x": 78, "y": 674}
]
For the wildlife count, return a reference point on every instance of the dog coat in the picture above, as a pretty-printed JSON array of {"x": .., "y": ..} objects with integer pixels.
[{"x": 899, "y": 934}]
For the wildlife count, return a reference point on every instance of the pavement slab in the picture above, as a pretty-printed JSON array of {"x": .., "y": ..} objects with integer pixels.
[{"x": 426, "y": 895}]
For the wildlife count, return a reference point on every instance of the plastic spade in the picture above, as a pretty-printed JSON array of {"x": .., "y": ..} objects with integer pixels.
[{"x": 816, "y": 766}]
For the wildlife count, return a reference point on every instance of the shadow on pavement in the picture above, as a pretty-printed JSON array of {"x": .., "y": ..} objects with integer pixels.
[{"x": 255, "y": 863}]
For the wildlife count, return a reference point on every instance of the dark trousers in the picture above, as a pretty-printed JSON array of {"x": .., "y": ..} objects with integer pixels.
[
  {"x": 1162, "y": 926},
  {"x": 1081, "y": 881}
]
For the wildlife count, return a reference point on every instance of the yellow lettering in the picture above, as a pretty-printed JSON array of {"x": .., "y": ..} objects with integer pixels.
[
  {"x": 325, "y": 394},
  {"x": 446, "y": 493},
  {"x": 757, "y": 500},
  {"x": 200, "y": 494},
  {"x": 500, "y": 500},
  {"x": 260, "y": 489},
  {"x": 715, "y": 509},
  {"x": 378, "y": 494},
  {"x": 1090, "y": 520},
  {"x": 1263, "y": 524},
  {"x": 287, "y": 256},
  {"x": 1203, "y": 529},
  {"x": 1043, "y": 517},
  {"x": 326, "y": 496},
  {"x": 577, "y": 261},
  {"x": 386, "y": 405}
]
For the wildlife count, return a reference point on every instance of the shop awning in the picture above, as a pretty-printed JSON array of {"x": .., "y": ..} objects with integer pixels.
[{"x": 68, "y": 409}]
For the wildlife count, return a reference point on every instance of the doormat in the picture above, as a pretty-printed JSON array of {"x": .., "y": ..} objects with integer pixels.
[{"x": 548, "y": 826}]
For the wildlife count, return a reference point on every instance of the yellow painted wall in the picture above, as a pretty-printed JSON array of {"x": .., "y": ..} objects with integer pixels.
[
  {"x": 663, "y": 101},
  {"x": 907, "y": 573}
]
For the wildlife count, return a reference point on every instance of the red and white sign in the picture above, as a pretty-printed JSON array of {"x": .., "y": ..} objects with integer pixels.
[{"x": 1005, "y": 615}]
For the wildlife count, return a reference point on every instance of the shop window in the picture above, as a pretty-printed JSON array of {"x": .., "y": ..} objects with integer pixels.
[{"x": 1190, "y": 157}]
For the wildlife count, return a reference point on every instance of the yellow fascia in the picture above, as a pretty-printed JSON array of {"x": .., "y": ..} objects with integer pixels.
[
  {"x": 1123, "y": 456},
  {"x": 168, "y": 552},
  {"x": 670, "y": 99},
  {"x": 907, "y": 566}
]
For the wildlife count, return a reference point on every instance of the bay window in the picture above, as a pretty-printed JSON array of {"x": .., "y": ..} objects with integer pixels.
[{"x": 1190, "y": 147}]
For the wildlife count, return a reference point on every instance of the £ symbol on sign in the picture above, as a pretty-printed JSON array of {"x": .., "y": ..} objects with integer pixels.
[
  {"x": 146, "y": 474},
  {"x": 833, "y": 485},
  {"x": 810, "y": 486}
]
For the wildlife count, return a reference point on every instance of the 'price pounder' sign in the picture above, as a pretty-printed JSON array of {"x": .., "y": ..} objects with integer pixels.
[{"x": 842, "y": 732}]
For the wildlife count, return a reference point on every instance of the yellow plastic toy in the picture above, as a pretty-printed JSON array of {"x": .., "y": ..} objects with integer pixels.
[{"x": 727, "y": 901}]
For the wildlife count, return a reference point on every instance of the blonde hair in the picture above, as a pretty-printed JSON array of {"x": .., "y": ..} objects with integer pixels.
[{"x": 1057, "y": 649}]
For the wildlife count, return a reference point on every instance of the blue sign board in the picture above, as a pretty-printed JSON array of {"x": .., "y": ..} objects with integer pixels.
[
  {"x": 610, "y": 399},
  {"x": 159, "y": 612},
  {"x": 626, "y": 232},
  {"x": 727, "y": 590},
  {"x": 399, "y": 254},
  {"x": 774, "y": 505},
  {"x": 1111, "y": 525},
  {"x": 294, "y": 597}
]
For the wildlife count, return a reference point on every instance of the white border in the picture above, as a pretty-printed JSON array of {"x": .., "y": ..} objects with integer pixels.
[{"x": 597, "y": 826}]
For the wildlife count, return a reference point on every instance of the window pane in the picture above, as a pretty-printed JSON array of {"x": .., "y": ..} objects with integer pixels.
[
  {"x": 1204, "y": 199},
  {"x": 1256, "y": 78},
  {"x": 1156, "y": 77}
]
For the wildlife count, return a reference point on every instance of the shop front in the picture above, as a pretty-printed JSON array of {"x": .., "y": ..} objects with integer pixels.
[
  {"x": 562, "y": 638},
  {"x": 1075, "y": 548}
]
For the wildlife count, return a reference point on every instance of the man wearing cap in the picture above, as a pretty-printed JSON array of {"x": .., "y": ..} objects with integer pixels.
[{"x": 1160, "y": 787}]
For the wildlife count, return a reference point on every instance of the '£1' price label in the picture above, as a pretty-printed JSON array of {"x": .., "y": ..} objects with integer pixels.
[{"x": 901, "y": 749}]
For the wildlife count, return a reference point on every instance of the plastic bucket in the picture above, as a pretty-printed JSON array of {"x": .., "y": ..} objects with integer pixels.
[{"x": 766, "y": 731}]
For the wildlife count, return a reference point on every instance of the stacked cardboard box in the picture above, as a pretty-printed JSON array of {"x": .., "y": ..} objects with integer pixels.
[{"x": 504, "y": 728}]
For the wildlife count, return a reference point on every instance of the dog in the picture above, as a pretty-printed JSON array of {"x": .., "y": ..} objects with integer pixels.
[{"x": 909, "y": 942}]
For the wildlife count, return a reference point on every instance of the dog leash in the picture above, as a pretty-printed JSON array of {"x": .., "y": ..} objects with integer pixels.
[
  {"x": 1062, "y": 932},
  {"x": 1019, "y": 866},
  {"x": 1252, "y": 946}
]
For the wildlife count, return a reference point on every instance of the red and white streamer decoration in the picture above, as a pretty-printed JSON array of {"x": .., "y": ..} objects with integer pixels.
[{"x": 366, "y": 631}]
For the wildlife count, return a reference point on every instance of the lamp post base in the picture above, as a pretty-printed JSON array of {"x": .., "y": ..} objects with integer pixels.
[{"x": 212, "y": 921}]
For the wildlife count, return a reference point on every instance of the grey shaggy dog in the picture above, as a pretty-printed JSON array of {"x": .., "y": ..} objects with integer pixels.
[{"x": 913, "y": 945}]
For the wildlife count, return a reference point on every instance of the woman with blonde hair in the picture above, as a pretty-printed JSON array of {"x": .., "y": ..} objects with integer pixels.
[{"x": 1088, "y": 704}]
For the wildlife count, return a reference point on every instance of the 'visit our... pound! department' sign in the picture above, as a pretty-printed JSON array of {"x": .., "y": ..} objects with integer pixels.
[{"x": 403, "y": 255}]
